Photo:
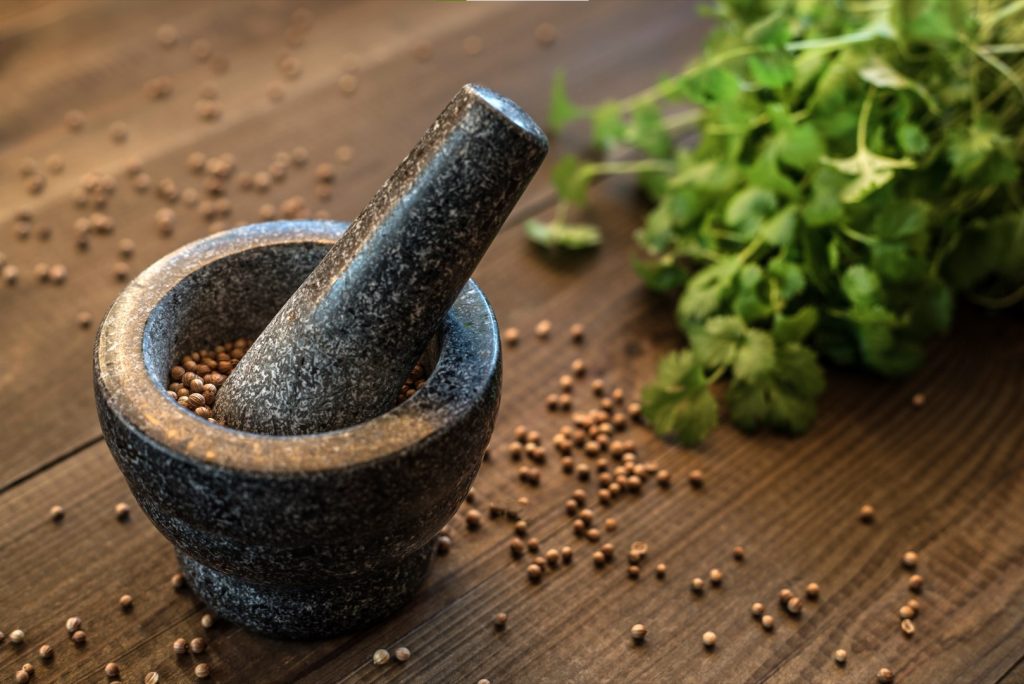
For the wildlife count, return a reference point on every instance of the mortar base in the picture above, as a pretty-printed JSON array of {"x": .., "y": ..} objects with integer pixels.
[{"x": 309, "y": 612}]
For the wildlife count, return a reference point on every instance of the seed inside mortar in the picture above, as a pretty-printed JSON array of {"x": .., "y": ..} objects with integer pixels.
[{"x": 195, "y": 381}]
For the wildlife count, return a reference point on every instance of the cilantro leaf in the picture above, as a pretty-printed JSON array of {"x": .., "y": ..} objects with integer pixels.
[
  {"x": 559, "y": 235},
  {"x": 561, "y": 111},
  {"x": 679, "y": 402}
]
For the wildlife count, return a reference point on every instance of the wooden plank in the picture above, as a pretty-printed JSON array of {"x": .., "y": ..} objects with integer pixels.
[
  {"x": 946, "y": 480},
  {"x": 607, "y": 48}
]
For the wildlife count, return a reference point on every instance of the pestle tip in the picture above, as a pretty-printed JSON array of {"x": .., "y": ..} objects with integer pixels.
[{"x": 509, "y": 110}]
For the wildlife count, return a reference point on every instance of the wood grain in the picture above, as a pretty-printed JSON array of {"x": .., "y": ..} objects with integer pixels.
[
  {"x": 946, "y": 479},
  {"x": 396, "y": 99}
]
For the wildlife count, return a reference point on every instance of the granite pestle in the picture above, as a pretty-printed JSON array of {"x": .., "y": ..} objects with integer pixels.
[{"x": 338, "y": 351}]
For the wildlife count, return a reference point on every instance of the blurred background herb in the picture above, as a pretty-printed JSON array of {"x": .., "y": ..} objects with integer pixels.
[{"x": 856, "y": 170}]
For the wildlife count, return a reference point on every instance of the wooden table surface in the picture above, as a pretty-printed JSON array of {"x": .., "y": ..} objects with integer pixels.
[{"x": 946, "y": 480}]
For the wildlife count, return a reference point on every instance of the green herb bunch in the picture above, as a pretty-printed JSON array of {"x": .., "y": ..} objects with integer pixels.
[{"x": 856, "y": 169}]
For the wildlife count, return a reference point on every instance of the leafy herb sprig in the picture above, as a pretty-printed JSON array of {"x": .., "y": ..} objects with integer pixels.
[{"x": 857, "y": 168}]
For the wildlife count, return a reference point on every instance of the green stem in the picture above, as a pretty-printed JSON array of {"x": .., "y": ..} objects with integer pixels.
[
  {"x": 717, "y": 374},
  {"x": 865, "y": 35},
  {"x": 1002, "y": 302},
  {"x": 862, "y": 120},
  {"x": 611, "y": 168},
  {"x": 687, "y": 117}
]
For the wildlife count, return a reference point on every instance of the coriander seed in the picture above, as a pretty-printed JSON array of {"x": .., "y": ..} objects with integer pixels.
[
  {"x": 738, "y": 552},
  {"x": 794, "y": 605},
  {"x": 56, "y": 513},
  {"x": 638, "y": 632},
  {"x": 697, "y": 585},
  {"x": 46, "y": 651},
  {"x": 907, "y": 612},
  {"x": 534, "y": 572},
  {"x": 709, "y": 639},
  {"x": 886, "y": 676},
  {"x": 909, "y": 560},
  {"x": 206, "y": 620},
  {"x": 73, "y": 624},
  {"x": 381, "y": 656},
  {"x": 202, "y": 671},
  {"x": 757, "y": 609},
  {"x": 112, "y": 670},
  {"x": 125, "y": 601},
  {"x": 767, "y": 622},
  {"x": 543, "y": 329},
  {"x": 180, "y": 646},
  {"x": 402, "y": 654},
  {"x": 16, "y": 636},
  {"x": 151, "y": 678},
  {"x": 78, "y": 637},
  {"x": 122, "y": 511},
  {"x": 867, "y": 514},
  {"x": 500, "y": 621},
  {"x": 915, "y": 583},
  {"x": 696, "y": 478},
  {"x": 659, "y": 570},
  {"x": 840, "y": 656},
  {"x": 812, "y": 590},
  {"x": 715, "y": 575},
  {"x": 907, "y": 627},
  {"x": 197, "y": 645}
]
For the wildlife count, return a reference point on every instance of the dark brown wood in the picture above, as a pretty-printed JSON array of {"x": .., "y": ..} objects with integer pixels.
[
  {"x": 608, "y": 50},
  {"x": 946, "y": 479}
]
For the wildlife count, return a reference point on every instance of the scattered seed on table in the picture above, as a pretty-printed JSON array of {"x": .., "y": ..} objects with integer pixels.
[
  {"x": 696, "y": 478},
  {"x": 202, "y": 671},
  {"x": 566, "y": 553},
  {"x": 122, "y": 510},
  {"x": 16, "y": 636},
  {"x": 500, "y": 621},
  {"x": 121, "y": 270},
  {"x": 918, "y": 400},
  {"x": 517, "y": 547},
  {"x": 709, "y": 639},
  {"x": 74, "y": 119},
  {"x": 697, "y": 585},
  {"x": 915, "y": 583},
  {"x": 56, "y": 513},
  {"x": 545, "y": 34},
  {"x": 867, "y": 513},
  {"x": 915, "y": 604},
  {"x": 151, "y": 678},
  {"x": 444, "y": 544},
  {"x": 207, "y": 620},
  {"x": 22, "y": 677},
  {"x": 660, "y": 569},
  {"x": 402, "y": 654},
  {"x": 840, "y": 656},
  {"x": 348, "y": 83},
  {"x": 907, "y": 612},
  {"x": 10, "y": 274},
  {"x": 599, "y": 559},
  {"x": 126, "y": 601},
  {"x": 794, "y": 605},
  {"x": 768, "y": 622},
  {"x": 543, "y": 329},
  {"x": 72, "y": 624},
  {"x": 784, "y": 595},
  {"x": 180, "y": 646},
  {"x": 909, "y": 560},
  {"x": 118, "y": 132},
  {"x": 886, "y": 676},
  {"x": 79, "y": 637},
  {"x": 757, "y": 609},
  {"x": 112, "y": 670},
  {"x": 167, "y": 35},
  {"x": 812, "y": 590},
  {"x": 738, "y": 552},
  {"x": 177, "y": 580},
  {"x": 907, "y": 626},
  {"x": 381, "y": 656},
  {"x": 83, "y": 319},
  {"x": 534, "y": 572},
  {"x": 715, "y": 575},
  {"x": 638, "y": 632},
  {"x": 197, "y": 645},
  {"x": 46, "y": 651}
]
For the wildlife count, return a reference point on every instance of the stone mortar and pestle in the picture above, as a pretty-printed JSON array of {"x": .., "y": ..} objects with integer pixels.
[{"x": 313, "y": 508}]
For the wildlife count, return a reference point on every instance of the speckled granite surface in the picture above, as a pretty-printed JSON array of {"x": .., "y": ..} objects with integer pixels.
[
  {"x": 338, "y": 351},
  {"x": 269, "y": 526}
]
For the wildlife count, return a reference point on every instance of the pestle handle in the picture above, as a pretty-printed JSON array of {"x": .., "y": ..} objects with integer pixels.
[{"x": 339, "y": 350}]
